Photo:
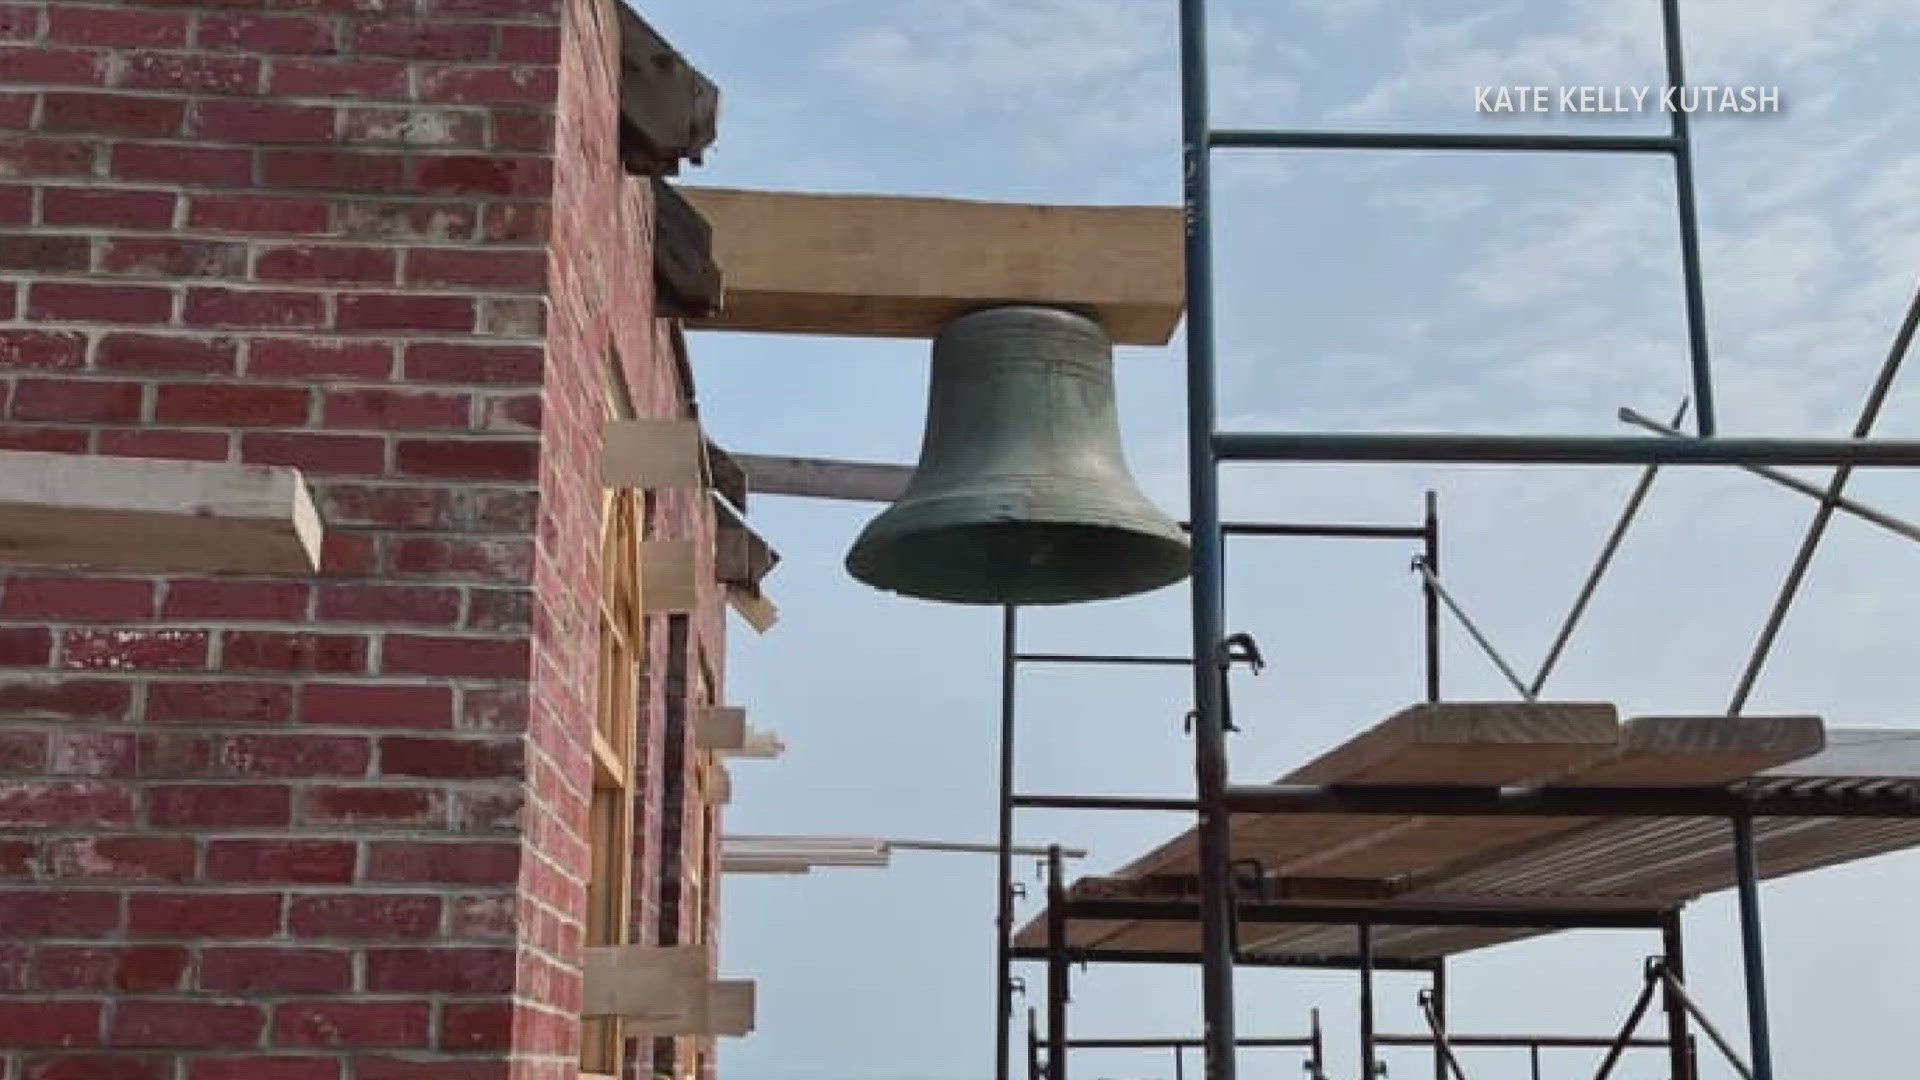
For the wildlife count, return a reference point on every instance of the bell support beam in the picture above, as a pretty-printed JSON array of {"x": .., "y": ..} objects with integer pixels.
[
  {"x": 889, "y": 266},
  {"x": 1367, "y": 446}
]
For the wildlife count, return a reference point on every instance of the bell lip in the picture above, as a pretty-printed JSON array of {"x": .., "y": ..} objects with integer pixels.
[{"x": 1159, "y": 560}]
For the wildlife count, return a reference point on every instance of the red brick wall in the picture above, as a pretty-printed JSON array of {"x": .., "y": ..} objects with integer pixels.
[{"x": 272, "y": 828}]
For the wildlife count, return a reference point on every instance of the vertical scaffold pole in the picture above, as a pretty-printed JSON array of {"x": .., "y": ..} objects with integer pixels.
[{"x": 1003, "y": 922}]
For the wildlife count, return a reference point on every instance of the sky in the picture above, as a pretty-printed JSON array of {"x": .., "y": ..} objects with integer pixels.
[{"x": 1357, "y": 291}]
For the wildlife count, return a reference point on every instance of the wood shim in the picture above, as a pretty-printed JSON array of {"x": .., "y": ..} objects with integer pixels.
[
  {"x": 822, "y": 478},
  {"x": 84, "y": 510},
  {"x": 650, "y": 454},
  {"x": 719, "y": 727},
  {"x": 650, "y": 984},
  {"x": 888, "y": 266},
  {"x": 669, "y": 577}
]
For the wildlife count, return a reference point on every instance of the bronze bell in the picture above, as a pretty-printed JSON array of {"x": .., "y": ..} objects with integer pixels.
[{"x": 1022, "y": 494}]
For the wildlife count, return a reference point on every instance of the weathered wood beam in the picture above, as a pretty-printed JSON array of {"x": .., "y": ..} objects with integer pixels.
[
  {"x": 84, "y": 510},
  {"x": 686, "y": 280},
  {"x": 883, "y": 266},
  {"x": 823, "y": 478},
  {"x": 741, "y": 557},
  {"x": 750, "y": 604},
  {"x": 669, "y": 111},
  {"x": 727, "y": 477}
]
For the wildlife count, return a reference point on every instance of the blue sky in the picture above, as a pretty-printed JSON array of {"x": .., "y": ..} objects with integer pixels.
[{"x": 1358, "y": 291}]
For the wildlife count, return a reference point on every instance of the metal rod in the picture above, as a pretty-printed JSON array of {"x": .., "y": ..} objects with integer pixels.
[
  {"x": 1551, "y": 1042},
  {"x": 1533, "y": 1053},
  {"x": 1473, "y": 631},
  {"x": 1437, "y": 1009},
  {"x": 1414, "y": 140},
  {"x": 1188, "y": 959},
  {"x": 1161, "y": 1043},
  {"x": 1674, "y": 961},
  {"x": 1442, "y": 1053},
  {"x": 1897, "y": 801},
  {"x": 1689, "y": 225},
  {"x": 1033, "y": 1046},
  {"x": 1817, "y": 529},
  {"x": 1369, "y": 1056},
  {"x": 1607, "y": 551},
  {"x": 1207, "y": 591},
  {"x": 1003, "y": 922},
  {"x": 1329, "y": 532},
  {"x": 1788, "y": 480},
  {"x": 1098, "y": 658},
  {"x": 1634, "y": 1016},
  {"x": 1706, "y": 1025},
  {"x": 1752, "y": 948},
  {"x": 1430, "y": 534},
  {"x": 1317, "y": 1063},
  {"x": 1057, "y": 968},
  {"x": 1376, "y": 446},
  {"x": 1179, "y": 1063},
  {"x": 1103, "y": 802}
]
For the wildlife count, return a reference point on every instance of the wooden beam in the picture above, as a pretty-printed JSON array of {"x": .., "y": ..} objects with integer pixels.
[
  {"x": 651, "y": 454},
  {"x": 669, "y": 578},
  {"x": 669, "y": 111},
  {"x": 646, "y": 983},
  {"x": 759, "y": 612},
  {"x": 727, "y": 476},
  {"x": 719, "y": 785},
  {"x": 719, "y": 727},
  {"x": 730, "y": 1008},
  {"x": 884, "y": 266},
  {"x": 685, "y": 278},
  {"x": 741, "y": 556},
  {"x": 824, "y": 478},
  {"x": 758, "y": 744},
  {"x": 84, "y": 510}
]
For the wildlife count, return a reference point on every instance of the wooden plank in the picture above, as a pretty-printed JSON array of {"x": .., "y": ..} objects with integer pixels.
[
  {"x": 719, "y": 785},
  {"x": 821, "y": 478},
  {"x": 84, "y": 510},
  {"x": 651, "y": 454},
  {"x": 646, "y": 983},
  {"x": 730, "y": 1008},
  {"x": 669, "y": 578},
  {"x": 765, "y": 745},
  {"x": 719, "y": 727},
  {"x": 759, "y": 612},
  {"x": 686, "y": 281},
  {"x": 1469, "y": 742},
  {"x": 669, "y": 111},
  {"x": 728, "y": 478},
  {"x": 890, "y": 266},
  {"x": 741, "y": 556}
]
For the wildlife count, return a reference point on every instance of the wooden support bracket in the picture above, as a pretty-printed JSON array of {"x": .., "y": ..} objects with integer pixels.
[
  {"x": 669, "y": 577},
  {"x": 665, "y": 990},
  {"x": 758, "y": 744},
  {"x": 85, "y": 510},
  {"x": 651, "y": 454},
  {"x": 720, "y": 727},
  {"x": 686, "y": 280},
  {"x": 669, "y": 111},
  {"x": 741, "y": 556}
]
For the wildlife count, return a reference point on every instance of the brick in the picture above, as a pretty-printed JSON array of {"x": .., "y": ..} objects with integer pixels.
[
  {"x": 17, "y": 860},
  {"x": 212, "y": 703},
  {"x": 25, "y": 156},
  {"x": 376, "y": 705},
  {"x": 350, "y": 1024},
  {"x": 379, "y": 311},
  {"x": 530, "y": 44},
  {"x": 390, "y": 507},
  {"x": 322, "y": 360},
  {"x": 16, "y": 201},
  {"x": 173, "y": 163},
  {"x": 43, "y": 349},
  {"x": 234, "y": 307},
  {"x": 220, "y": 805},
  {"x": 132, "y": 650},
  {"x": 332, "y": 170},
  {"x": 23, "y": 752},
  {"x": 94, "y": 753},
  {"x": 521, "y": 412},
  {"x": 43, "y": 253},
  {"x": 348, "y": 555},
  {"x": 305, "y": 862},
  {"x": 77, "y": 401},
  {"x": 93, "y": 1067},
  {"x": 317, "y": 454},
  {"x": 256, "y": 650},
  {"x": 307, "y": 262},
  {"x": 270, "y": 970},
  {"x": 111, "y": 114},
  {"x": 473, "y": 862},
  {"x": 468, "y": 459},
  {"x": 194, "y": 72},
  {"x": 99, "y": 303},
  {"x": 126, "y": 858},
  {"x": 526, "y": 84},
  {"x": 166, "y": 354},
  {"x": 293, "y": 755},
  {"x": 24, "y": 64},
  {"x": 428, "y": 127},
  {"x": 372, "y": 807},
  {"x": 231, "y": 405},
  {"x": 338, "y": 78},
  {"x": 109, "y": 207},
  {"x": 488, "y": 810},
  {"x": 516, "y": 223},
  {"x": 41, "y": 912},
  {"x": 428, "y": 40},
  {"x": 65, "y": 804},
  {"x": 176, "y": 756},
  {"x": 259, "y": 214},
  {"x": 439, "y": 1068},
  {"x": 153, "y": 443},
  {"x": 19, "y": 22},
  {"x": 184, "y": 1024},
  {"x": 253, "y": 1067},
  {"x": 452, "y": 758},
  {"x": 396, "y": 410},
  {"x": 32, "y": 1025},
  {"x": 168, "y": 258},
  {"x": 483, "y": 917},
  {"x": 124, "y": 27},
  {"x": 493, "y": 270},
  {"x": 484, "y": 175},
  {"x": 504, "y": 561},
  {"x": 456, "y": 657},
  {"x": 266, "y": 33},
  {"x": 63, "y": 698},
  {"x": 365, "y": 916},
  {"x": 75, "y": 599},
  {"x": 493, "y": 364},
  {"x": 451, "y": 971},
  {"x": 133, "y": 969},
  {"x": 50, "y": 440},
  {"x": 407, "y": 221},
  {"x": 390, "y": 604},
  {"x": 476, "y": 1027},
  {"x": 203, "y": 914},
  {"x": 277, "y": 601},
  {"x": 255, "y": 122}
]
